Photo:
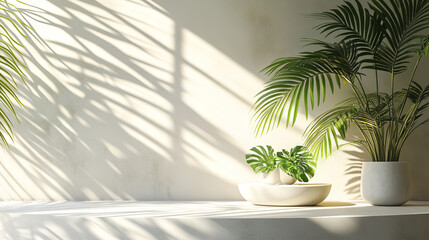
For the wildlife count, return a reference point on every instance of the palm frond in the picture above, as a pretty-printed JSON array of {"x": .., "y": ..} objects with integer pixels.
[
  {"x": 322, "y": 134},
  {"x": 306, "y": 78},
  {"x": 403, "y": 20},
  {"x": 10, "y": 64},
  {"x": 382, "y": 36},
  {"x": 354, "y": 23}
]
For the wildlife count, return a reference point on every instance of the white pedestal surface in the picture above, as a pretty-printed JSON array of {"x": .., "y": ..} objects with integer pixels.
[{"x": 211, "y": 220}]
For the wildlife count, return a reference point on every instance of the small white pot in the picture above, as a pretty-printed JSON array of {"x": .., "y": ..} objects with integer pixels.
[
  {"x": 286, "y": 179},
  {"x": 385, "y": 183},
  {"x": 272, "y": 178},
  {"x": 277, "y": 177}
]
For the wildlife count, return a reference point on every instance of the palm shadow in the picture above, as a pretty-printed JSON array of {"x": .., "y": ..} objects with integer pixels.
[
  {"x": 101, "y": 123},
  {"x": 354, "y": 168}
]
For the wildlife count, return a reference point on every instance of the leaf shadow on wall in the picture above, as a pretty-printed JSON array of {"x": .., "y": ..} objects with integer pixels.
[
  {"x": 91, "y": 130},
  {"x": 353, "y": 171}
]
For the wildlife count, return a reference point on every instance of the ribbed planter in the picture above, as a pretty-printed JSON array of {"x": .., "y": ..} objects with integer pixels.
[{"x": 385, "y": 183}]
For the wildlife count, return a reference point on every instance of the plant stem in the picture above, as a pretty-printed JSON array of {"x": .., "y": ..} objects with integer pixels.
[
  {"x": 404, "y": 99},
  {"x": 363, "y": 93},
  {"x": 391, "y": 127},
  {"x": 392, "y": 90},
  {"x": 395, "y": 125},
  {"x": 376, "y": 83}
]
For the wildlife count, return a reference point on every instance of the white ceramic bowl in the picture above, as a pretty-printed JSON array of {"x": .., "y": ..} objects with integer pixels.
[{"x": 300, "y": 194}]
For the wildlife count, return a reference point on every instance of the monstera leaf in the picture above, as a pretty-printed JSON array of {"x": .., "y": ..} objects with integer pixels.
[
  {"x": 262, "y": 159},
  {"x": 297, "y": 162}
]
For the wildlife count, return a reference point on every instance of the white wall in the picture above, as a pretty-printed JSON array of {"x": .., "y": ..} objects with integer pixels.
[{"x": 136, "y": 99}]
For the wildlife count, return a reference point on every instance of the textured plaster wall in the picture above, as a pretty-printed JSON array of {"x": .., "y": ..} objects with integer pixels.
[{"x": 136, "y": 99}]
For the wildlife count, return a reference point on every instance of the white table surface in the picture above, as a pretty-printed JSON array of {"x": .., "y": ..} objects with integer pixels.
[{"x": 209, "y": 209}]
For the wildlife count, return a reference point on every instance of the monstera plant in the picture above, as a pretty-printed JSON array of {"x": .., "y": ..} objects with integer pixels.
[
  {"x": 295, "y": 164},
  {"x": 12, "y": 25},
  {"x": 378, "y": 37}
]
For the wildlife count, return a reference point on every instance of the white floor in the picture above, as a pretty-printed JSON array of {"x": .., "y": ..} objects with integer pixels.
[{"x": 210, "y": 220}]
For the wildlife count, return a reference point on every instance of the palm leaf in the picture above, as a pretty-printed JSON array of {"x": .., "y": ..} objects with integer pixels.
[
  {"x": 10, "y": 64},
  {"x": 306, "y": 78},
  {"x": 383, "y": 37},
  {"x": 321, "y": 136},
  {"x": 404, "y": 20},
  {"x": 354, "y": 23},
  {"x": 411, "y": 120}
]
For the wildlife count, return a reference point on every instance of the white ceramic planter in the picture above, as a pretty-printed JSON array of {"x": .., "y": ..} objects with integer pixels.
[
  {"x": 272, "y": 178},
  {"x": 300, "y": 194},
  {"x": 285, "y": 179},
  {"x": 385, "y": 183},
  {"x": 277, "y": 177}
]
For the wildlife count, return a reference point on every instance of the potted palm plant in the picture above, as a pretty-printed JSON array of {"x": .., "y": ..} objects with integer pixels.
[{"x": 380, "y": 36}]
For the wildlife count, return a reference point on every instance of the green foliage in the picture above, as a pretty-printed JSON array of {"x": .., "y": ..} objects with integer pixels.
[
  {"x": 11, "y": 26},
  {"x": 263, "y": 159},
  {"x": 297, "y": 162},
  {"x": 383, "y": 36}
]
